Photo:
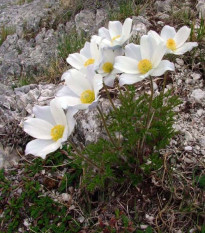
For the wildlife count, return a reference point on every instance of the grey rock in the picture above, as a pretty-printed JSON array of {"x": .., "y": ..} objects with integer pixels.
[
  {"x": 202, "y": 141},
  {"x": 140, "y": 25},
  {"x": 180, "y": 61},
  {"x": 8, "y": 157},
  {"x": 101, "y": 17},
  {"x": 196, "y": 76},
  {"x": 69, "y": 26},
  {"x": 162, "y": 16},
  {"x": 85, "y": 22},
  {"x": 198, "y": 95},
  {"x": 200, "y": 112},
  {"x": 163, "y": 5},
  {"x": 201, "y": 8},
  {"x": 188, "y": 148}
]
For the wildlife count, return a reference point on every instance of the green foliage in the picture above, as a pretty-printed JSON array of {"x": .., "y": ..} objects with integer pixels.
[
  {"x": 70, "y": 43},
  {"x": 21, "y": 2},
  {"x": 47, "y": 215},
  {"x": 148, "y": 230},
  {"x": 200, "y": 181},
  {"x": 197, "y": 34},
  {"x": 143, "y": 130},
  {"x": 5, "y": 31},
  {"x": 126, "y": 9}
]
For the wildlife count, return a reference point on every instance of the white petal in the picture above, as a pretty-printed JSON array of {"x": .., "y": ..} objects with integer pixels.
[
  {"x": 44, "y": 113},
  {"x": 167, "y": 32},
  {"x": 70, "y": 119},
  {"x": 162, "y": 68},
  {"x": 106, "y": 43},
  {"x": 109, "y": 80},
  {"x": 94, "y": 51},
  {"x": 126, "y": 64},
  {"x": 115, "y": 28},
  {"x": 126, "y": 28},
  {"x": 181, "y": 36},
  {"x": 188, "y": 46},
  {"x": 66, "y": 75},
  {"x": 64, "y": 91},
  {"x": 156, "y": 36},
  {"x": 66, "y": 101},
  {"x": 129, "y": 79},
  {"x": 104, "y": 33},
  {"x": 41, "y": 148},
  {"x": 133, "y": 51},
  {"x": 38, "y": 128},
  {"x": 85, "y": 51},
  {"x": 76, "y": 60},
  {"x": 97, "y": 84},
  {"x": 108, "y": 55},
  {"x": 58, "y": 113},
  {"x": 90, "y": 74},
  {"x": 146, "y": 48},
  {"x": 96, "y": 39},
  {"x": 78, "y": 82},
  {"x": 158, "y": 53}
]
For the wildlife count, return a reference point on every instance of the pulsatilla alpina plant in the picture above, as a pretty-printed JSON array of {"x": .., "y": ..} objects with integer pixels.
[{"x": 137, "y": 128}]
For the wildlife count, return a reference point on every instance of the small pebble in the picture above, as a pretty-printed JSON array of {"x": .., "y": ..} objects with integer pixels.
[
  {"x": 180, "y": 61},
  {"x": 188, "y": 148},
  {"x": 66, "y": 197},
  {"x": 143, "y": 227},
  {"x": 200, "y": 112},
  {"x": 196, "y": 76}
]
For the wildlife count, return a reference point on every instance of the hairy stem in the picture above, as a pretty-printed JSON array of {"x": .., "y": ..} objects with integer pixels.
[
  {"x": 82, "y": 156},
  {"x": 164, "y": 83},
  {"x": 106, "y": 128},
  {"x": 109, "y": 97},
  {"x": 148, "y": 121}
]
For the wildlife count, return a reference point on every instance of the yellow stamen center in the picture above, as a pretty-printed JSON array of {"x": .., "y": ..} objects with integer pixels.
[
  {"x": 107, "y": 67},
  {"x": 87, "y": 97},
  {"x": 90, "y": 61},
  {"x": 171, "y": 44},
  {"x": 57, "y": 132},
  {"x": 115, "y": 37},
  {"x": 144, "y": 66}
]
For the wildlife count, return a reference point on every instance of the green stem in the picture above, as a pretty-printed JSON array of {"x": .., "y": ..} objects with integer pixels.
[
  {"x": 150, "y": 101},
  {"x": 148, "y": 116},
  {"x": 164, "y": 82},
  {"x": 82, "y": 156},
  {"x": 119, "y": 89},
  {"x": 109, "y": 97},
  {"x": 106, "y": 128}
]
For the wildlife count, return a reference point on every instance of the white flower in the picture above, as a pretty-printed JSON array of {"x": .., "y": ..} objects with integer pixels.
[
  {"x": 106, "y": 66},
  {"x": 51, "y": 127},
  {"x": 175, "y": 41},
  {"x": 81, "y": 90},
  {"x": 116, "y": 34},
  {"x": 88, "y": 55},
  {"x": 142, "y": 60}
]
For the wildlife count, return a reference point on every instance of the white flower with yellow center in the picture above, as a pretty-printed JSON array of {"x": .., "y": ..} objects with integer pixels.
[
  {"x": 116, "y": 34},
  {"x": 106, "y": 66},
  {"x": 175, "y": 41},
  {"x": 51, "y": 128},
  {"x": 141, "y": 61},
  {"x": 81, "y": 90},
  {"x": 88, "y": 55}
]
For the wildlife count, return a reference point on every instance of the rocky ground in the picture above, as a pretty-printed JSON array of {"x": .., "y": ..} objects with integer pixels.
[{"x": 35, "y": 29}]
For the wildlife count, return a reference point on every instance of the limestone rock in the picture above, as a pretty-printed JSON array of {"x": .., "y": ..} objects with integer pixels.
[
  {"x": 201, "y": 8},
  {"x": 163, "y": 5},
  {"x": 198, "y": 95},
  {"x": 85, "y": 21}
]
